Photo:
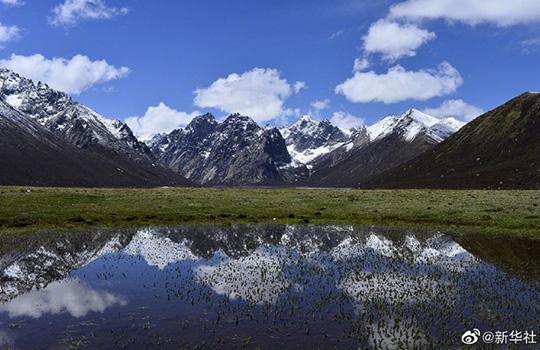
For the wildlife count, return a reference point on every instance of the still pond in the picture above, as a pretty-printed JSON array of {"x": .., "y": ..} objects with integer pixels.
[{"x": 271, "y": 286}]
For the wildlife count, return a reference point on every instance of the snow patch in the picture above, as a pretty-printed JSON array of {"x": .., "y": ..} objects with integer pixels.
[{"x": 14, "y": 101}]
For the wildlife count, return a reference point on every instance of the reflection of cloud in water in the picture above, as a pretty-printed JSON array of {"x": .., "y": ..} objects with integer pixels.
[
  {"x": 58, "y": 297},
  {"x": 409, "y": 273},
  {"x": 257, "y": 277},
  {"x": 391, "y": 286},
  {"x": 158, "y": 251},
  {"x": 36, "y": 269},
  {"x": 5, "y": 339}
]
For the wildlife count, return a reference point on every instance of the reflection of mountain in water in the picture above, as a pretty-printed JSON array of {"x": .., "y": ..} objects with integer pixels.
[
  {"x": 257, "y": 277},
  {"x": 391, "y": 287},
  {"x": 25, "y": 269},
  {"x": 240, "y": 246},
  {"x": 157, "y": 250}
]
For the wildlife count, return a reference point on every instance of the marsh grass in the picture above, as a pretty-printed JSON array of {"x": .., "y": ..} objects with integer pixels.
[{"x": 33, "y": 208}]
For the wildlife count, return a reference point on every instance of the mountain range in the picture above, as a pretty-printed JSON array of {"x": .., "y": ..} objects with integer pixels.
[
  {"x": 234, "y": 152},
  {"x": 382, "y": 146},
  {"x": 498, "y": 150},
  {"x": 47, "y": 139}
]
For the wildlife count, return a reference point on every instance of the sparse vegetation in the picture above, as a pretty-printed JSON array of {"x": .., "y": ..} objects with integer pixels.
[{"x": 32, "y": 208}]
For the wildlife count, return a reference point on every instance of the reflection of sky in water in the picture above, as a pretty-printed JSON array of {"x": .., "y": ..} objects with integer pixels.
[
  {"x": 257, "y": 277},
  {"x": 334, "y": 281},
  {"x": 71, "y": 296},
  {"x": 156, "y": 250}
]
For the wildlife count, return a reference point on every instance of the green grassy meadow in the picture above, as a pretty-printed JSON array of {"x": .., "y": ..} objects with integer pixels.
[{"x": 32, "y": 208}]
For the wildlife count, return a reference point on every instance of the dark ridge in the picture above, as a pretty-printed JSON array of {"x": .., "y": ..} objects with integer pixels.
[
  {"x": 30, "y": 155},
  {"x": 498, "y": 150}
]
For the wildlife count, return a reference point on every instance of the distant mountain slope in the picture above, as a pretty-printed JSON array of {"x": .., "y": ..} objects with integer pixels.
[
  {"x": 498, "y": 150},
  {"x": 74, "y": 122},
  {"x": 234, "y": 152},
  {"x": 393, "y": 140},
  {"x": 308, "y": 139},
  {"x": 48, "y": 140},
  {"x": 33, "y": 156}
]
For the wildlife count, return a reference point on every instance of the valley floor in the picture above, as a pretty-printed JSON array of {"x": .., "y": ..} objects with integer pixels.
[{"x": 32, "y": 208}]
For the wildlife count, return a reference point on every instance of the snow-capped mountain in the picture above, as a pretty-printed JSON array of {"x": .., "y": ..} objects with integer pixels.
[
  {"x": 445, "y": 128},
  {"x": 308, "y": 139},
  {"x": 236, "y": 151},
  {"x": 386, "y": 144},
  {"x": 46, "y": 139},
  {"x": 413, "y": 123},
  {"x": 76, "y": 123},
  {"x": 497, "y": 150}
]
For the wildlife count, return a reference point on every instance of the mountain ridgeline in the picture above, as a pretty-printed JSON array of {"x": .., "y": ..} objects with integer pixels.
[
  {"x": 388, "y": 143},
  {"x": 234, "y": 152},
  {"x": 238, "y": 152},
  {"x": 47, "y": 139},
  {"x": 498, "y": 150}
]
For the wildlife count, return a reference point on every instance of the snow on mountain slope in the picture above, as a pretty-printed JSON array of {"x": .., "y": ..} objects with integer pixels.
[
  {"x": 72, "y": 121},
  {"x": 445, "y": 128},
  {"x": 308, "y": 139},
  {"x": 412, "y": 123},
  {"x": 408, "y": 124},
  {"x": 236, "y": 151}
]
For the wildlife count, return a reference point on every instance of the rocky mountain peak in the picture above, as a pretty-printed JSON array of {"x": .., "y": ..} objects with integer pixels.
[
  {"x": 239, "y": 123},
  {"x": 36, "y": 100},
  {"x": 202, "y": 125},
  {"x": 74, "y": 122},
  {"x": 307, "y": 139},
  {"x": 236, "y": 151}
]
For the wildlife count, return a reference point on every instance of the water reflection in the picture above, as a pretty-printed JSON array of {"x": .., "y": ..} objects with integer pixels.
[
  {"x": 158, "y": 250},
  {"x": 58, "y": 297},
  {"x": 262, "y": 286}
]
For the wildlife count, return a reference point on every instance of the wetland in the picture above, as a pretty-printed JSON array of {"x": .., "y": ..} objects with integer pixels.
[{"x": 273, "y": 285}]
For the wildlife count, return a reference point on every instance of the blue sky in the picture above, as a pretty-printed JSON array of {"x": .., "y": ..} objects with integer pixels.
[{"x": 156, "y": 64}]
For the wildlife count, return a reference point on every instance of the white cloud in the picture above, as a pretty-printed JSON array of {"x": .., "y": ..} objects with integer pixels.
[
  {"x": 360, "y": 65},
  {"x": 346, "y": 120},
  {"x": 12, "y": 2},
  {"x": 258, "y": 93},
  {"x": 531, "y": 42},
  {"x": 400, "y": 85},
  {"x": 299, "y": 85},
  {"x": 292, "y": 112},
  {"x": 336, "y": 34},
  {"x": 72, "y": 76},
  {"x": 530, "y": 45},
  {"x": 394, "y": 40},
  {"x": 8, "y": 33},
  {"x": 71, "y": 12},
  {"x": 500, "y": 12},
  {"x": 159, "y": 119},
  {"x": 455, "y": 108},
  {"x": 318, "y": 105}
]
